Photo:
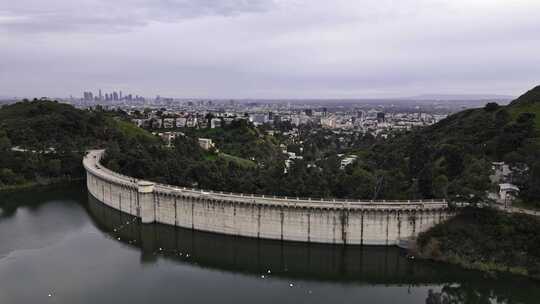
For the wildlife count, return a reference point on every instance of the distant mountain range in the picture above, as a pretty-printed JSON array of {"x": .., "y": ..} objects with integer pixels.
[{"x": 459, "y": 97}]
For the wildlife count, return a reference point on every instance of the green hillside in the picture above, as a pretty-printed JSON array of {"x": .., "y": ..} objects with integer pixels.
[
  {"x": 453, "y": 158},
  {"x": 49, "y": 124},
  {"x": 487, "y": 240},
  {"x": 528, "y": 103},
  {"x": 54, "y": 136}
]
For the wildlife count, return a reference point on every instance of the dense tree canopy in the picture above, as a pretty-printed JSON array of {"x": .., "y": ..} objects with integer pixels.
[{"x": 43, "y": 141}]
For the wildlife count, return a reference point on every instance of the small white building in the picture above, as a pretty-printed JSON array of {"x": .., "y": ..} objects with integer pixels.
[
  {"x": 206, "y": 143},
  {"x": 215, "y": 123},
  {"x": 288, "y": 163},
  {"x": 347, "y": 161},
  {"x": 181, "y": 122},
  {"x": 169, "y": 137},
  {"x": 139, "y": 122},
  {"x": 191, "y": 122},
  {"x": 168, "y": 123},
  {"x": 507, "y": 193}
]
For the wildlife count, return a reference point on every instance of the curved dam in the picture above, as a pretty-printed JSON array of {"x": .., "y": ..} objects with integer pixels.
[
  {"x": 265, "y": 217},
  {"x": 378, "y": 265}
]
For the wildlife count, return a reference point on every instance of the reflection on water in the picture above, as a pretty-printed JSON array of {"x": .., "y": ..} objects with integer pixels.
[
  {"x": 355, "y": 264},
  {"x": 291, "y": 259},
  {"x": 71, "y": 246}
]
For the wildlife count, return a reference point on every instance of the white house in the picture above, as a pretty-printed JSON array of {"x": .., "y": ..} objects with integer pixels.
[
  {"x": 347, "y": 161},
  {"x": 507, "y": 193},
  {"x": 206, "y": 143}
]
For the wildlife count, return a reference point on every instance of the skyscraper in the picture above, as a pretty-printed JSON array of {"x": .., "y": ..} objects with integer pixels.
[
  {"x": 380, "y": 117},
  {"x": 88, "y": 96}
]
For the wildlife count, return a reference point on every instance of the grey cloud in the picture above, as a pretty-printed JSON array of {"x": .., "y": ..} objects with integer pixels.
[
  {"x": 37, "y": 16},
  {"x": 270, "y": 49}
]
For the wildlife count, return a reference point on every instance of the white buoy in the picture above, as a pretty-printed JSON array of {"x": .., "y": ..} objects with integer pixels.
[{"x": 291, "y": 285}]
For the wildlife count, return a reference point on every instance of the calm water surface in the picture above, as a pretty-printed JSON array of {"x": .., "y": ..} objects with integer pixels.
[{"x": 62, "y": 246}]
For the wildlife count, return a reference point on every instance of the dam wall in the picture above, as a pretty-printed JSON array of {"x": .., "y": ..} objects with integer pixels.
[{"x": 265, "y": 217}]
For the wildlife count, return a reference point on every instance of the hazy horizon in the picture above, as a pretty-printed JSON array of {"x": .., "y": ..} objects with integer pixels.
[{"x": 269, "y": 49}]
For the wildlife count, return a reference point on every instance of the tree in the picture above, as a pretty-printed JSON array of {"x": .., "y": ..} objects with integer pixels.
[
  {"x": 453, "y": 160},
  {"x": 5, "y": 143},
  {"x": 7, "y": 176},
  {"x": 54, "y": 167},
  {"x": 532, "y": 192},
  {"x": 491, "y": 107},
  {"x": 425, "y": 181},
  {"x": 440, "y": 186}
]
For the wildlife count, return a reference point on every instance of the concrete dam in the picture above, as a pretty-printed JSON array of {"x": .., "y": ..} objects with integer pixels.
[{"x": 262, "y": 216}]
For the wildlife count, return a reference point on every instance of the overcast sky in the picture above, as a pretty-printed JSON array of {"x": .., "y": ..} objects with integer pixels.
[{"x": 269, "y": 48}]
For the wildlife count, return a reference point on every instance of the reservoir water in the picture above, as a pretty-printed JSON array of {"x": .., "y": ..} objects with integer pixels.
[{"x": 62, "y": 246}]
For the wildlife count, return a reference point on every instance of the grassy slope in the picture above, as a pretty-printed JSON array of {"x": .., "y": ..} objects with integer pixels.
[
  {"x": 130, "y": 130},
  {"x": 528, "y": 108},
  {"x": 242, "y": 162},
  {"x": 239, "y": 143},
  {"x": 528, "y": 102}
]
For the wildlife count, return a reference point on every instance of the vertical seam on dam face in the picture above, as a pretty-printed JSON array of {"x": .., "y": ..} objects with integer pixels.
[
  {"x": 344, "y": 220},
  {"x": 334, "y": 229},
  {"x": 192, "y": 215},
  {"x": 138, "y": 205},
  {"x": 258, "y": 221},
  {"x": 156, "y": 206},
  {"x": 175, "y": 212},
  {"x": 414, "y": 224},
  {"x": 308, "y": 226},
  {"x": 281, "y": 215},
  {"x": 387, "y": 226},
  {"x": 265, "y": 217},
  {"x": 399, "y": 224},
  {"x": 362, "y": 227}
]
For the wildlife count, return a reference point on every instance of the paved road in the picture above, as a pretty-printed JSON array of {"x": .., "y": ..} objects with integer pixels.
[{"x": 519, "y": 210}]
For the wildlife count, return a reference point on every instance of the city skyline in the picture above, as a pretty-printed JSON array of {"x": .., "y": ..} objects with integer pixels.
[{"x": 117, "y": 95}]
